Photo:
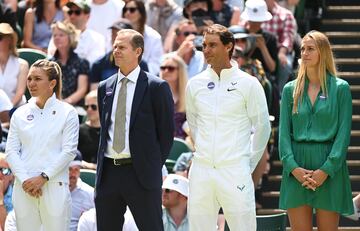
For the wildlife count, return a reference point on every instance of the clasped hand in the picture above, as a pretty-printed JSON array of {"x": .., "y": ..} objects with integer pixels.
[
  {"x": 33, "y": 186},
  {"x": 310, "y": 179}
]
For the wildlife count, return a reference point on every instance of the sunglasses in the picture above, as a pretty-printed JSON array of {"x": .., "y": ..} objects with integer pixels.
[
  {"x": 169, "y": 68},
  {"x": 2, "y": 36},
  {"x": 187, "y": 33},
  {"x": 168, "y": 190},
  {"x": 130, "y": 9},
  {"x": 92, "y": 106},
  {"x": 5, "y": 171},
  {"x": 76, "y": 12}
]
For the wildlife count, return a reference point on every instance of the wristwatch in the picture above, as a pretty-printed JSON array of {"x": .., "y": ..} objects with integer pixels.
[{"x": 43, "y": 174}]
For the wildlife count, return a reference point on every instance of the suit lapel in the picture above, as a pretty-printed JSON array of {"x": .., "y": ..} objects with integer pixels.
[
  {"x": 110, "y": 88},
  {"x": 138, "y": 95}
]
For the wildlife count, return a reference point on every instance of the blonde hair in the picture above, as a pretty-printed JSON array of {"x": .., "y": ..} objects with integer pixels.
[
  {"x": 53, "y": 71},
  {"x": 69, "y": 29},
  {"x": 182, "y": 80},
  {"x": 326, "y": 65}
]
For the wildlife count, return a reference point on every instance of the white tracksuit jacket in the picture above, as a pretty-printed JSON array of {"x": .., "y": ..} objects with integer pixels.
[
  {"x": 222, "y": 113},
  {"x": 43, "y": 140}
]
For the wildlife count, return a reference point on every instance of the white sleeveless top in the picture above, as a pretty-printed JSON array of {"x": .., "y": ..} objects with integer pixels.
[{"x": 9, "y": 76}]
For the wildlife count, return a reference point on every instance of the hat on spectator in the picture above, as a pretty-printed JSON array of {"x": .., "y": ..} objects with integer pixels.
[
  {"x": 177, "y": 183},
  {"x": 256, "y": 11},
  {"x": 122, "y": 23},
  {"x": 239, "y": 32},
  {"x": 82, "y": 4},
  {"x": 77, "y": 160},
  {"x": 6, "y": 29}
]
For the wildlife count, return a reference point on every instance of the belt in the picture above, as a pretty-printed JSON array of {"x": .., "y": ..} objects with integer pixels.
[{"x": 120, "y": 162}]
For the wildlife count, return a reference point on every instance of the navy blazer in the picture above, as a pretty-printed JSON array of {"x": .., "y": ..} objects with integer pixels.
[{"x": 151, "y": 130}]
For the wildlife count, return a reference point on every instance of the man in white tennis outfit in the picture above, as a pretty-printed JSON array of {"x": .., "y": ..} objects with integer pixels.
[{"x": 224, "y": 107}]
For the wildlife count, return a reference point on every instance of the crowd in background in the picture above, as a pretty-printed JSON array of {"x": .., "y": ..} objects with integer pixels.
[{"x": 78, "y": 35}]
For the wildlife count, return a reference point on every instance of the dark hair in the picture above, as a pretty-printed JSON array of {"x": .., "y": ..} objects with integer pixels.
[
  {"x": 141, "y": 8},
  {"x": 187, "y": 3},
  {"x": 136, "y": 40},
  {"x": 39, "y": 12},
  {"x": 225, "y": 35},
  {"x": 53, "y": 71}
]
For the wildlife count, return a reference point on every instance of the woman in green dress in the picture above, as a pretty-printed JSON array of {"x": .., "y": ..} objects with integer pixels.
[{"x": 315, "y": 126}]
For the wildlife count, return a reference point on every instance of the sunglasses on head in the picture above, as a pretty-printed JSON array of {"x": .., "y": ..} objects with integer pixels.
[
  {"x": 76, "y": 12},
  {"x": 5, "y": 171},
  {"x": 169, "y": 68},
  {"x": 168, "y": 190},
  {"x": 92, "y": 106},
  {"x": 130, "y": 9},
  {"x": 187, "y": 33}
]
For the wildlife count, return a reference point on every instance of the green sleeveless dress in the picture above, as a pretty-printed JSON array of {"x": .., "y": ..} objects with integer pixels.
[{"x": 317, "y": 137}]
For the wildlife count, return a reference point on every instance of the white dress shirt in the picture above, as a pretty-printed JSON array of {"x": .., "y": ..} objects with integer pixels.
[
  {"x": 42, "y": 140},
  {"x": 153, "y": 50},
  {"x": 87, "y": 221},
  {"x": 5, "y": 103},
  {"x": 91, "y": 46},
  {"x": 133, "y": 76},
  {"x": 102, "y": 17}
]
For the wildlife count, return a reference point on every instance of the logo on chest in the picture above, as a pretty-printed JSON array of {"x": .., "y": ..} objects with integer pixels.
[
  {"x": 30, "y": 117},
  {"x": 232, "y": 87}
]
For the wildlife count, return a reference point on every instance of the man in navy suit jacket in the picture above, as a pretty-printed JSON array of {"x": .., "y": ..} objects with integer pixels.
[{"x": 132, "y": 177}]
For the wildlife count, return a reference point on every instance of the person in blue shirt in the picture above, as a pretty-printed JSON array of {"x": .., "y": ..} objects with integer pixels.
[{"x": 6, "y": 188}]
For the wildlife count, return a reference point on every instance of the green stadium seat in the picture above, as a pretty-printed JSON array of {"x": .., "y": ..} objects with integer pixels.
[
  {"x": 88, "y": 176},
  {"x": 170, "y": 165},
  {"x": 31, "y": 55},
  {"x": 179, "y": 147},
  {"x": 274, "y": 222}
]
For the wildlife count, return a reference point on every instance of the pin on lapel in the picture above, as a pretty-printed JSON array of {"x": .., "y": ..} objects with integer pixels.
[
  {"x": 108, "y": 91},
  {"x": 211, "y": 85},
  {"x": 322, "y": 97},
  {"x": 30, "y": 117}
]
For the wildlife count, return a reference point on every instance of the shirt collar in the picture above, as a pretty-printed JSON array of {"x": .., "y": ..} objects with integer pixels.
[
  {"x": 227, "y": 71},
  {"x": 132, "y": 76},
  {"x": 172, "y": 221},
  {"x": 49, "y": 102}
]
